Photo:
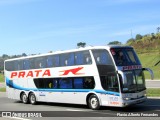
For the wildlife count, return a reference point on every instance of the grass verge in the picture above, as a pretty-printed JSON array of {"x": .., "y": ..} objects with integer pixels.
[
  {"x": 1, "y": 77},
  {"x": 153, "y": 92},
  {"x": 149, "y": 60},
  {"x": 2, "y": 89}
]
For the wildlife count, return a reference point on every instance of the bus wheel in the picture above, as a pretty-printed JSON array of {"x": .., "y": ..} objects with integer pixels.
[
  {"x": 24, "y": 98},
  {"x": 32, "y": 99},
  {"x": 94, "y": 102}
]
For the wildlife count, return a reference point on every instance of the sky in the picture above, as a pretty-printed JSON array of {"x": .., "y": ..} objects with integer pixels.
[{"x": 40, "y": 26}]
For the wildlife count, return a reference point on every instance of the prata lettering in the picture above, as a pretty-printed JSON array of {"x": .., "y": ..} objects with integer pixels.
[{"x": 34, "y": 73}]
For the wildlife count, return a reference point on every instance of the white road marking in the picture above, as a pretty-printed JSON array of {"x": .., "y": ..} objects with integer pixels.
[{"x": 17, "y": 118}]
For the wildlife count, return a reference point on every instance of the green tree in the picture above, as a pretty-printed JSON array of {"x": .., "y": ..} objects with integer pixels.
[
  {"x": 81, "y": 44},
  {"x": 138, "y": 37},
  {"x": 130, "y": 41},
  {"x": 24, "y": 54},
  {"x": 5, "y": 56}
]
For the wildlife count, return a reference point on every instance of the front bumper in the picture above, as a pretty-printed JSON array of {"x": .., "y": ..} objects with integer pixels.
[{"x": 126, "y": 103}]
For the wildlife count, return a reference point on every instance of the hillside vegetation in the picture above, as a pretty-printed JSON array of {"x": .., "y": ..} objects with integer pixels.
[
  {"x": 148, "y": 49},
  {"x": 146, "y": 44}
]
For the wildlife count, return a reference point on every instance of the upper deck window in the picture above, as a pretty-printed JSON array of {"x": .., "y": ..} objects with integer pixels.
[
  {"x": 102, "y": 57},
  {"x": 48, "y": 61},
  {"x": 125, "y": 56},
  {"x": 83, "y": 58}
]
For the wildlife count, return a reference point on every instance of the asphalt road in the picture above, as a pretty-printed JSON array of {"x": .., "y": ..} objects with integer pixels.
[
  {"x": 61, "y": 111},
  {"x": 153, "y": 83}
]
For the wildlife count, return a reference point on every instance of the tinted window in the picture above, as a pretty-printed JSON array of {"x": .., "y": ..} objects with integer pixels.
[
  {"x": 102, "y": 57},
  {"x": 125, "y": 57},
  {"x": 32, "y": 63},
  {"x": 20, "y": 64},
  {"x": 89, "y": 83},
  {"x": 14, "y": 65},
  {"x": 50, "y": 61},
  {"x": 40, "y": 62},
  {"x": 26, "y": 64},
  {"x": 53, "y": 61},
  {"x": 110, "y": 82},
  {"x": 65, "y": 83},
  {"x": 82, "y": 58},
  {"x": 78, "y": 83},
  {"x": 55, "y": 83},
  {"x": 39, "y": 83},
  {"x": 48, "y": 83},
  {"x": 9, "y": 65},
  {"x": 67, "y": 59}
]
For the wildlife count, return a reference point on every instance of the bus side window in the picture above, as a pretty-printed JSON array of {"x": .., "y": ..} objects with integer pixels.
[
  {"x": 40, "y": 62},
  {"x": 20, "y": 65},
  {"x": 39, "y": 83},
  {"x": 50, "y": 61},
  {"x": 15, "y": 65},
  {"x": 89, "y": 83},
  {"x": 63, "y": 61},
  {"x": 26, "y": 64},
  {"x": 48, "y": 83},
  {"x": 70, "y": 59},
  {"x": 65, "y": 83},
  {"x": 78, "y": 83},
  {"x": 32, "y": 63},
  {"x": 79, "y": 58},
  {"x": 56, "y": 60},
  {"x": 9, "y": 65},
  {"x": 88, "y": 60},
  {"x": 102, "y": 57},
  {"x": 87, "y": 57},
  {"x": 55, "y": 83},
  {"x": 67, "y": 59}
]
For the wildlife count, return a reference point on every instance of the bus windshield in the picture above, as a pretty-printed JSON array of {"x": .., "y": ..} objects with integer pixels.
[
  {"x": 133, "y": 81},
  {"x": 125, "y": 56}
]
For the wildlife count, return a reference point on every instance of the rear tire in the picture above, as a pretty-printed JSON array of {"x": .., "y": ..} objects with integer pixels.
[
  {"x": 93, "y": 102},
  {"x": 24, "y": 98},
  {"x": 32, "y": 99}
]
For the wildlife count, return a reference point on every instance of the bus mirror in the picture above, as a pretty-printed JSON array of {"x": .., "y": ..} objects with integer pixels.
[{"x": 150, "y": 71}]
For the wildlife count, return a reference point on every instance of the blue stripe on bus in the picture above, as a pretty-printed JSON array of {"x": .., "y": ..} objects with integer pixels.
[{"x": 15, "y": 86}]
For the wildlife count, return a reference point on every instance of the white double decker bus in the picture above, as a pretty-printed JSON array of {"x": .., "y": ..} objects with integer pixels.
[{"x": 95, "y": 76}]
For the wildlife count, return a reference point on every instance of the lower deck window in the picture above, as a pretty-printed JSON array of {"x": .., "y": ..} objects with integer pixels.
[{"x": 65, "y": 83}]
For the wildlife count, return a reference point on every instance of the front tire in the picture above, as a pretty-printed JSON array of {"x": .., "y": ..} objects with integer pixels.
[
  {"x": 24, "y": 98},
  {"x": 93, "y": 102},
  {"x": 32, "y": 99}
]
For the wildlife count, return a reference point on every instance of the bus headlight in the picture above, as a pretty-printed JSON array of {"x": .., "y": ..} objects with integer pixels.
[
  {"x": 145, "y": 95},
  {"x": 126, "y": 98}
]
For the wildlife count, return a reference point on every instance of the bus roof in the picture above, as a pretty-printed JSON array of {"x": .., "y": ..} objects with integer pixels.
[{"x": 72, "y": 50}]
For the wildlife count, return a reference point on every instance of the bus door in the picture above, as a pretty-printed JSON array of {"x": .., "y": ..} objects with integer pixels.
[{"x": 111, "y": 85}]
